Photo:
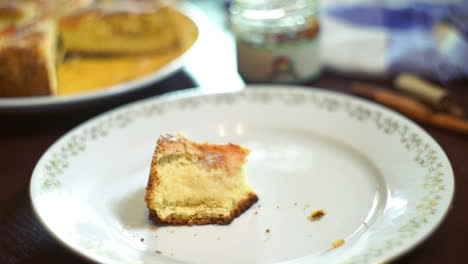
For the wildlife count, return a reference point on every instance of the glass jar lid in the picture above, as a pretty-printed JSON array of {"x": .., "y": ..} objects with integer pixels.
[{"x": 273, "y": 15}]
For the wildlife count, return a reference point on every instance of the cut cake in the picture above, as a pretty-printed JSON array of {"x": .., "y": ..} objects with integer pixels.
[{"x": 194, "y": 183}]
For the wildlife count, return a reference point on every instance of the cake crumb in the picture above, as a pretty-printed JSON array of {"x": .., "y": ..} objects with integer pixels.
[
  {"x": 158, "y": 252},
  {"x": 195, "y": 235},
  {"x": 172, "y": 254},
  {"x": 338, "y": 243},
  {"x": 142, "y": 239},
  {"x": 171, "y": 231},
  {"x": 277, "y": 206},
  {"x": 317, "y": 215},
  {"x": 266, "y": 239},
  {"x": 365, "y": 224},
  {"x": 295, "y": 204},
  {"x": 218, "y": 238},
  {"x": 307, "y": 205},
  {"x": 255, "y": 212},
  {"x": 153, "y": 227},
  {"x": 267, "y": 231},
  {"x": 126, "y": 227},
  {"x": 156, "y": 236}
]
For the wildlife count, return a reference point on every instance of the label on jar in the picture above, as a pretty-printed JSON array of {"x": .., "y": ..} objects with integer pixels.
[{"x": 293, "y": 63}]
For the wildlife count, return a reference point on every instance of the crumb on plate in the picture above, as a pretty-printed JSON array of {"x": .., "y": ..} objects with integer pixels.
[
  {"x": 338, "y": 243},
  {"x": 158, "y": 252},
  {"x": 267, "y": 231},
  {"x": 317, "y": 215}
]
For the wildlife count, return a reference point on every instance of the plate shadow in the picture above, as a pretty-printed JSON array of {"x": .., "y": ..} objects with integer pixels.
[{"x": 131, "y": 210}]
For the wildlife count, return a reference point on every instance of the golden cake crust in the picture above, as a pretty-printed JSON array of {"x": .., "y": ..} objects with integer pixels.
[{"x": 14, "y": 12}]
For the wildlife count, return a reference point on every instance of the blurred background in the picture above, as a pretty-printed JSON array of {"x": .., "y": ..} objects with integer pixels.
[
  {"x": 417, "y": 50},
  {"x": 380, "y": 39}
]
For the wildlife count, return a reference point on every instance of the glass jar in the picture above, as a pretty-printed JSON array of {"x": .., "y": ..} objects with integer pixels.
[{"x": 276, "y": 40}]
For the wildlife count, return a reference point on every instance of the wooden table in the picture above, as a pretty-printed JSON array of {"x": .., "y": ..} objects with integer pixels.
[{"x": 23, "y": 139}]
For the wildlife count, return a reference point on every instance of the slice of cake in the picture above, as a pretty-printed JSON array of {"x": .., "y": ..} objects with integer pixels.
[
  {"x": 27, "y": 59},
  {"x": 110, "y": 27},
  {"x": 197, "y": 183}
]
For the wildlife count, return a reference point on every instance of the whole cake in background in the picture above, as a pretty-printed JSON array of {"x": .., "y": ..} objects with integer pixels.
[
  {"x": 194, "y": 183},
  {"x": 37, "y": 35}
]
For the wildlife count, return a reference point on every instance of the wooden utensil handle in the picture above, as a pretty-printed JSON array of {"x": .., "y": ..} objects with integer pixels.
[{"x": 410, "y": 107}]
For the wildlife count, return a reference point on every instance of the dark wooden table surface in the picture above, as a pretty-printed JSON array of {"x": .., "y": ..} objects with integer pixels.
[{"x": 24, "y": 138}]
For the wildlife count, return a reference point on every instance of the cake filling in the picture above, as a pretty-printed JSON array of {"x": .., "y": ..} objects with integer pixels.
[{"x": 197, "y": 184}]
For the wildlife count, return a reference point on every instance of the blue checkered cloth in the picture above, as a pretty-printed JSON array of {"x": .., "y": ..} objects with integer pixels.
[{"x": 412, "y": 29}]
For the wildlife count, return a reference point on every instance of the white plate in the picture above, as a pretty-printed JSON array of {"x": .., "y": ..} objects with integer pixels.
[
  {"x": 384, "y": 182},
  {"x": 35, "y": 102}
]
